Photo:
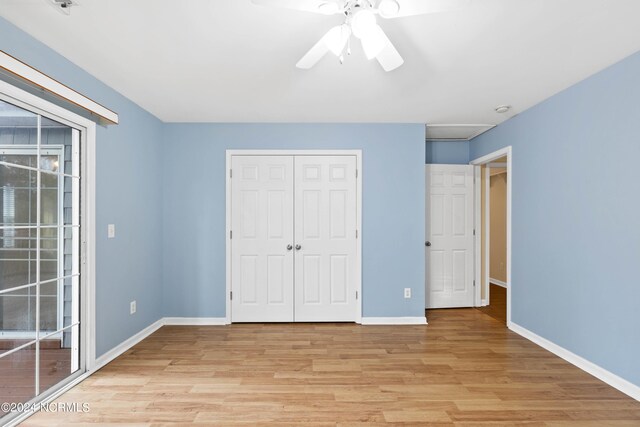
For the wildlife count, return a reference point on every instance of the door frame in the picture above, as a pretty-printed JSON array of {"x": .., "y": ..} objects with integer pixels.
[
  {"x": 232, "y": 152},
  {"x": 477, "y": 163}
]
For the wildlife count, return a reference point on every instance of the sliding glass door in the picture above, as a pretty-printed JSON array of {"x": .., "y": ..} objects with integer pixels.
[{"x": 40, "y": 265}]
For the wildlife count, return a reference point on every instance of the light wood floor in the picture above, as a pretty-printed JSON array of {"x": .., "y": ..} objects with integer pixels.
[{"x": 464, "y": 368}]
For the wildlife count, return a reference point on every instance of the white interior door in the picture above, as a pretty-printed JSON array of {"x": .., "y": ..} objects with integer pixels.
[
  {"x": 325, "y": 237},
  {"x": 449, "y": 235},
  {"x": 262, "y": 238}
]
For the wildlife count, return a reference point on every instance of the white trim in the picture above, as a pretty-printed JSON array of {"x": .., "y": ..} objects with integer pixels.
[
  {"x": 228, "y": 179},
  {"x": 477, "y": 235},
  {"x": 195, "y": 321},
  {"x": 506, "y": 151},
  {"x": 498, "y": 282},
  {"x": 127, "y": 344},
  {"x": 227, "y": 240},
  {"x": 602, "y": 374},
  {"x": 484, "y": 303},
  {"x": 419, "y": 320},
  {"x": 488, "y": 158},
  {"x": 487, "y": 233},
  {"x": 88, "y": 246},
  {"x": 41, "y": 80}
]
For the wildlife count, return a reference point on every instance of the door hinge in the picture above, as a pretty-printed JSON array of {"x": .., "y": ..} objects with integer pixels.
[
  {"x": 474, "y": 283},
  {"x": 230, "y": 173},
  {"x": 356, "y": 294},
  {"x": 230, "y": 234},
  {"x": 474, "y": 231},
  {"x": 356, "y": 234},
  {"x": 231, "y": 295}
]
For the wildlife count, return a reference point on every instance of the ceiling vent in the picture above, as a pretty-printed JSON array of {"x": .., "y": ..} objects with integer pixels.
[{"x": 441, "y": 132}]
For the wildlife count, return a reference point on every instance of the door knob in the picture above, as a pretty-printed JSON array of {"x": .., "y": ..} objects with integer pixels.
[
  {"x": 427, "y": 244},
  {"x": 289, "y": 247},
  {"x": 298, "y": 247}
]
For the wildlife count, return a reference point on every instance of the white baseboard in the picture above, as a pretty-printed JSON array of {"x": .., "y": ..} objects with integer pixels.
[
  {"x": 498, "y": 282},
  {"x": 394, "y": 320},
  {"x": 126, "y": 344},
  {"x": 602, "y": 374},
  {"x": 195, "y": 321},
  {"x": 483, "y": 303}
]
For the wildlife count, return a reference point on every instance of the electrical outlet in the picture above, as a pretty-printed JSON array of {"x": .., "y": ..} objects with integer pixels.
[
  {"x": 132, "y": 307},
  {"x": 407, "y": 292},
  {"x": 111, "y": 231}
]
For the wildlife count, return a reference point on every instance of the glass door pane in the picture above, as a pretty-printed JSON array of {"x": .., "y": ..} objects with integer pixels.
[{"x": 40, "y": 279}]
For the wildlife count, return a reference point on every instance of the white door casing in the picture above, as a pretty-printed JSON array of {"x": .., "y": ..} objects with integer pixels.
[
  {"x": 325, "y": 234},
  {"x": 261, "y": 244},
  {"x": 449, "y": 231}
]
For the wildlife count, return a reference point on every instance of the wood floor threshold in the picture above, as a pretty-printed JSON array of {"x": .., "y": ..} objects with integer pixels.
[{"x": 465, "y": 368}]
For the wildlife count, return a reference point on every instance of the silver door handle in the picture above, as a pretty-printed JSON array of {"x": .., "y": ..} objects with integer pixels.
[
  {"x": 289, "y": 247},
  {"x": 298, "y": 247},
  {"x": 427, "y": 244}
]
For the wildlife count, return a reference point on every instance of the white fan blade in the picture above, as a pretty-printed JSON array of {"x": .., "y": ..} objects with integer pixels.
[
  {"x": 421, "y": 7},
  {"x": 315, "y": 54},
  {"x": 334, "y": 40},
  {"x": 389, "y": 58},
  {"x": 337, "y": 38},
  {"x": 323, "y": 7},
  {"x": 373, "y": 41}
]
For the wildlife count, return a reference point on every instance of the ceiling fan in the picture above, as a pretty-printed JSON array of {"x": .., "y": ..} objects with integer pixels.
[{"x": 361, "y": 21}]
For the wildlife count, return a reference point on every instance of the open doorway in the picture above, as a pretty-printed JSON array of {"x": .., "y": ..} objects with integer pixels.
[{"x": 493, "y": 248}]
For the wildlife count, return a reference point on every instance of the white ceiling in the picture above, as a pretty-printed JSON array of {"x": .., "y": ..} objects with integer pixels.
[{"x": 232, "y": 61}]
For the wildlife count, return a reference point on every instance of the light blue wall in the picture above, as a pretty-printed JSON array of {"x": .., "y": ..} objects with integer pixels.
[
  {"x": 576, "y": 227},
  {"x": 128, "y": 195},
  {"x": 447, "y": 152},
  {"x": 194, "y": 209}
]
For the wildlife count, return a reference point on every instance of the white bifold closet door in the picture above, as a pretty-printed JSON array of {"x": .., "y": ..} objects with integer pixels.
[
  {"x": 293, "y": 243},
  {"x": 262, "y": 227},
  {"x": 325, "y": 232}
]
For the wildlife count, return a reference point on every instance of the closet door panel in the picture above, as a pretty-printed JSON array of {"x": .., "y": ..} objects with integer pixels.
[
  {"x": 262, "y": 230},
  {"x": 325, "y": 233}
]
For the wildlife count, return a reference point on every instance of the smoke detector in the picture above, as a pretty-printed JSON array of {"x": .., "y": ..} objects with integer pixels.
[
  {"x": 62, "y": 6},
  {"x": 501, "y": 109}
]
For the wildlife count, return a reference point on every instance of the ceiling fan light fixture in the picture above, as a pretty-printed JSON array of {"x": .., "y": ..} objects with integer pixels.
[
  {"x": 337, "y": 38},
  {"x": 388, "y": 8},
  {"x": 329, "y": 8},
  {"x": 363, "y": 23}
]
